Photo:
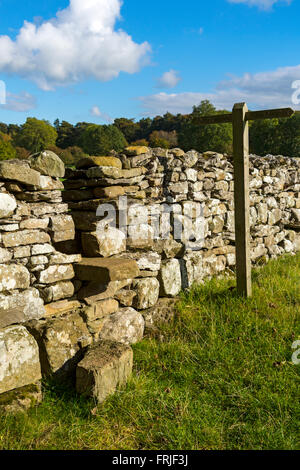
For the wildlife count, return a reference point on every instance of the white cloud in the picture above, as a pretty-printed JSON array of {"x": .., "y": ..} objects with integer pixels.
[
  {"x": 260, "y": 90},
  {"x": 96, "y": 112},
  {"x": 169, "y": 79},
  {"x": 262, "y": 4},
  {"x": 22, "y": 102},
  {"x": 79, "y": 43}
]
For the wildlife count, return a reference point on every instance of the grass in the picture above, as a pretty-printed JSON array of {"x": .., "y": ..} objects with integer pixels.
[{"x": 220, "y": 377}]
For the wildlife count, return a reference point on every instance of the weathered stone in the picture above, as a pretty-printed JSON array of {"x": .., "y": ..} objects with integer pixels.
[
  {"x": 49, "y": 184},
  {"x": 86, "y": 221},
  {"x": 125, "y": 297},
  {"x": 19, "y": 358},
  {"x": 5, "y": 255},
  {"x": 94, "y": 291},
  {"x": 56, "y": 273},
  {"x": 125, "y": 326},
  {"x": 41, "y": 209},
  {"x": 19, "y": 307},
  {"x": 62, "y": 307},
  {"x": 61, "y": 290},
  {"x": 140, "y": 236},
  {"x": 61, "y": 341},
  {"x": 146, "y": 261},
  {"x": 105, "y": 367},
  {"x": 48, "y": 163},
  {"x": 162, "y": 312},
  {"x": 114, "y": 173},
  {"x": 21, "y": 399},
  {"x": 106, "y": 270},
  {"x": 63, "y": 222},
  {"x": 101, "y": 309},
  {"x": 24, "y": 237},
  {"x": 136, "y": 150},
  {"x": 170, "y": 278},
  {"x": 111, "y": 192},
  {"x": 89, "y": 162},
  {"x": 169, "y": 248},
  {"x": 13, "y": 276},
  {"x": 18, "y": 170},
  {"x": 34, "y": 224},
  {"x": 7, "y": 205},
  {"x": 60, "y": 258},
  {"x": 42, "y": 249},
  {"x": 147, "y": 291},
  {"x": 107, "y": 242},
  {"x": 77, "y": 195}
]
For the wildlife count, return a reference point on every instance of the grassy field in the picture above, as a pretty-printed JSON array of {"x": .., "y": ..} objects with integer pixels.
[{"x": 221, "y": 377}]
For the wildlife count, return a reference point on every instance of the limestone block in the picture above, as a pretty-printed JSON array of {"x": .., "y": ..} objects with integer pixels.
[
  {"x": 7, "y": 205},
  {"x": 18, "y": 170},
  {"x": 170, "y": 278},
  {"x": 48, "y": 163},
  {"x": 13, "y": 276},
  {"x": 147, "y": 292},
  {"x": 126, "y": 326},
  {"x": 105, "y": 367},
  {"x": 56, "y": 273},
  {"x": 19, "y": 307},
  {"x": 19, "y": 358},
  {"x": 104, "y": 242}
]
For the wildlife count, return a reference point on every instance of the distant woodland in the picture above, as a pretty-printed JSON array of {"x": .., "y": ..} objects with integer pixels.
[{"x": 72, "y": 142}]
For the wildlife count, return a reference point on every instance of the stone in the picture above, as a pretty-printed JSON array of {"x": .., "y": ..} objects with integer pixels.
[
  {"x": 8, "y": 205},
  {"x": 21, "y": 399},
  {"x": 61, "y": 290},
  {"x": 41, "y": 209},
  {"x": 34, "y": 224},
  {"x": 105, "y": 367},
  {"x": 13, "y": 276},
  {"x": 49, "y": 184},
  {"x": 89, "y": 162},
  {"x": 163, "y": 312},
  {"x": 18, "y": 170},
  {"x": 135, "y": 150},
  {"x": 147, "y": 293},
  {"x": 170, "y": 278},
  {"x": 48, "y": 164},
  {"x": 125, "y": 297},
  {"x": 62, "y": 342},
  {"x": 42, "y": 249},
  {"x": 110, "y": 192},
  {"x": 62, "y": 307},
  {"x": 5, "y": 255},
  {"x": 140, "y": 236},
  {"x": 94, "y": 292},
  {"x": 19, "y": 358},
  {"x": 126, "y": 326},
  {"x": 115, "y": 173},
  {"x": 85, "y": 221},
  {"x": 77, "y": 195},
  {"x": 24, "y": 237},
  {"x": 101, "y": 309},
  {"x": 149, "y": 261},
  {"x": 55, "y": 273},
  {"x": 169, "y": 248},
  {"x": 20, "y": 307},
  {"x": 61, "y": 258},
  {"x": 106, "y": 242},
  {"x": 106, "y": 270}
]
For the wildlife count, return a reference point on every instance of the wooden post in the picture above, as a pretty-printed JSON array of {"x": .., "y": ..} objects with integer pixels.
[
  {"x": 241, "y": 198},
  {"x": 239, "y": 119}
]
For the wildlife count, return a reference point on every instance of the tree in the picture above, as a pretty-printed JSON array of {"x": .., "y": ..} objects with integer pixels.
[
  {"x": 215, "y": 137},
  {"x": 99, "y": 140},
  {"x": 129, "y": 128},
  {"x": 7, "y": 151},
  {"x": 36, "y": 135},
  {"x": 65, "y": 134},
  {"x": 263, "y": 137},
  {"x": 163, "y": 139}
]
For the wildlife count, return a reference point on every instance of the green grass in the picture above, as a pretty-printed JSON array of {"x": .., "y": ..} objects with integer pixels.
[{"x": 220, "y": 377}]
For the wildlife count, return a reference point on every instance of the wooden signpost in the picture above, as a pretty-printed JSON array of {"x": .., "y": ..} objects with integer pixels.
[{"x": 239, "y": 119}]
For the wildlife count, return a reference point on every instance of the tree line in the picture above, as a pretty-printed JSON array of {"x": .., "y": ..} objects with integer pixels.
[{"x": 73, "y": 142}]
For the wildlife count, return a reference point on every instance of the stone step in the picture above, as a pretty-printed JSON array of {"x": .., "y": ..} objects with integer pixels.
[{"x": 105, "y": 270}]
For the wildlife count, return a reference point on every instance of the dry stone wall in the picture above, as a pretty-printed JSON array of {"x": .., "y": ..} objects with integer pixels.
[{"x": 91, "y": 256}]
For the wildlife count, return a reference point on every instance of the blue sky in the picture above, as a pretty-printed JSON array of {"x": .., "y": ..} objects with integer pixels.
[{"x": 101, "y": 59}]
